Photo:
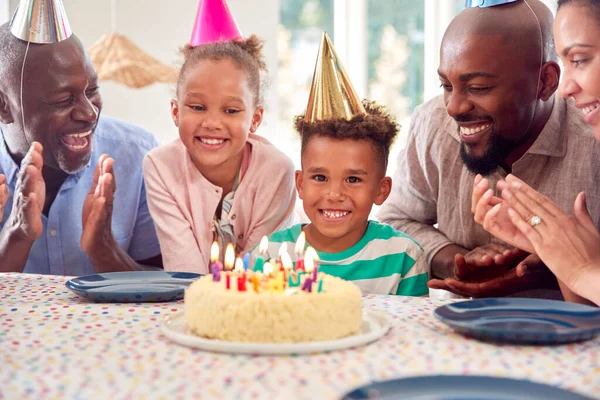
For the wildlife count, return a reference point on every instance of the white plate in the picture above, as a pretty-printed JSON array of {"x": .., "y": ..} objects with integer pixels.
[{"x": 374, "y": 326}]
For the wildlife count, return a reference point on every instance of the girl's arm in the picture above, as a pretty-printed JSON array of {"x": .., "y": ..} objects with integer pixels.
[
  {"x": 179, "y": 246},
  {"x": 278, "y": 206}
]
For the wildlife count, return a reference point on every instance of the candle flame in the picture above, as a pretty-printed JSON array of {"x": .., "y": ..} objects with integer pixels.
[
  {"x": 309, "y": 259},
  {"x": 229, "y": 257},
  {"x": 239, "y": 265},
  {"x": 268, "y": 268},
  {"x": 264, "y": 245},
  {"x": 282, "y": 248},
  {"x": 214, "y": 252},
  {"x": 286, "y": 261},
  {"x": 300, "y": 243}
]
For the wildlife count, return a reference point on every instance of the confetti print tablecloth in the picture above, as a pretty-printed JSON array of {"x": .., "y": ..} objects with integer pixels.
[{"x": 54, "y": 345}]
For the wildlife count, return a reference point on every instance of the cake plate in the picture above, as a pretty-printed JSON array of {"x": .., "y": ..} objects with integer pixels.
[{"x": 374, "y": 326}]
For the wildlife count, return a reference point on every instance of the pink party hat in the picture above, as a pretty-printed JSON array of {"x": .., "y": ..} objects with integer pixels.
[{"x": 214, "y": 23}]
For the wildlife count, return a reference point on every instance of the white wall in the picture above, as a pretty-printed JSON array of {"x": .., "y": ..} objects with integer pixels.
[
  {"x": 160, "y": 28},
  {"x": 4, "y": 15}
]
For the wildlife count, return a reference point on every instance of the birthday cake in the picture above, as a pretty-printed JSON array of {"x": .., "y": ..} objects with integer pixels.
[{"x": 268, "y": 308}]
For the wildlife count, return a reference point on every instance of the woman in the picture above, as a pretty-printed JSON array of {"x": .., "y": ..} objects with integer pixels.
[{"x": 569, "y": 246}]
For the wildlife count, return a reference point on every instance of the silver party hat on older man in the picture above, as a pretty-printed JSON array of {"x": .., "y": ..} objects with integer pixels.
[{"x": 40, "y": 21}]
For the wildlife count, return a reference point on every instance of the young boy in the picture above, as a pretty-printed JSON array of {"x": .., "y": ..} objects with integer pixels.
[{"x": 345, "y": 147}]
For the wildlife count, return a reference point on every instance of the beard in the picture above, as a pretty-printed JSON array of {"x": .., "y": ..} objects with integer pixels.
[
  {"x": 498, "y": 149},
  {"x": 69, "y": 165}
]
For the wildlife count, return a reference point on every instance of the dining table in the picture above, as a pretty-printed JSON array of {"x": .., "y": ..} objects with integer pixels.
[{"x": 57, "y": 345}]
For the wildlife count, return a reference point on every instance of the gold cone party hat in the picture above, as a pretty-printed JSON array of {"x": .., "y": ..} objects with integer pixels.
[{"x": 332, "y": 95}]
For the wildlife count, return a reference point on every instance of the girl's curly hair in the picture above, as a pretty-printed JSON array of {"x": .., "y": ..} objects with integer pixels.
[
  {"x": 377, "y": 127},
  {"x": 245, "y": 53}
]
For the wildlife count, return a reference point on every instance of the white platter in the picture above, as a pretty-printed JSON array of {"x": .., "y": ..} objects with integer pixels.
[{"x": 374, "y": 326}]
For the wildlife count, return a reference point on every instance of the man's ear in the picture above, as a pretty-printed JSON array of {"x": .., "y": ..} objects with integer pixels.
[
  {"x": 385, "y": 187},
  {"x": 6, "y": 116},
  {"x": 549, "y": 80},
  {"x": 175, "y": 112},
  {"x": 299, "y": 184}
]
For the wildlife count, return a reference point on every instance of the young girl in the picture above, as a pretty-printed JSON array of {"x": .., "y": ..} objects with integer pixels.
[{"x": 218, "y": 181}]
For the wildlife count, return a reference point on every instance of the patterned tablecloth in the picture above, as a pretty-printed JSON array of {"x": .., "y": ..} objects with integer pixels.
[{"x": 56, "y": 345}]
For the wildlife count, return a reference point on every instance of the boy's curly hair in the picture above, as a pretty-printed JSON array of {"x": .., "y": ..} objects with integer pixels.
[
  {"x": 245, "y": 53},
  {"x": 377, "y": 127}
]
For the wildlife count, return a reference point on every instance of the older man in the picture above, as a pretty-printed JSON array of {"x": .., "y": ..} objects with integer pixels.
[
  {"x": 64, "y": 215},
  {"x": 499, "y": 114}
]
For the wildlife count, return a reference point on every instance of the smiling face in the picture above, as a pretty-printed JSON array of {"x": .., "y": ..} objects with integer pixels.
[
  {"x": 491, "y": 92},
  {"x": 339, "y": 183},
  {"x": 61, "y": 104},
  {"x": 577, "y": 38},
  {"x": 215, "y": 112}
]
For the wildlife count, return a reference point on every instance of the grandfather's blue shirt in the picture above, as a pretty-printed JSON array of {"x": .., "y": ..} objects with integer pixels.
[{"x": 58, "y": 250}]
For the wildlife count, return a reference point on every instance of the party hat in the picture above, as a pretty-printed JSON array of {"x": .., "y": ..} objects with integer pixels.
[
  {"x": 40, "y": 21},
  {"x": 331, "y": 94},
  {"x": 214, "y": 23}
]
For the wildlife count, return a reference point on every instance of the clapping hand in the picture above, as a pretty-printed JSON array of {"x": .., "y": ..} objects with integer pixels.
[
  {"x": 3, "y": 195},
  {"x": 492, "y": 213},
  {"x": 568, "y": 245},
  {"x": 30, "y": 195},
  {"x": 97, "y": 209}
]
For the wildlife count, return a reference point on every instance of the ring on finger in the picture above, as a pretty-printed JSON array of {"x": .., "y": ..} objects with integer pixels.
[{"x": 535, "y": 220}]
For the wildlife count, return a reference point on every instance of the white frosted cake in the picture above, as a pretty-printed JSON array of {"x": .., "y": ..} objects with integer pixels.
[{"x": 262, "y": 315}]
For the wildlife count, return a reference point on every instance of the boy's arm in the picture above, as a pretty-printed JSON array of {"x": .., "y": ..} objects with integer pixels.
[{"x": 415, "y": 274}]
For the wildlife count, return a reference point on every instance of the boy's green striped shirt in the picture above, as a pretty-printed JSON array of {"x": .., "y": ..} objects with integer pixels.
[{"x": 384, "y": 261}]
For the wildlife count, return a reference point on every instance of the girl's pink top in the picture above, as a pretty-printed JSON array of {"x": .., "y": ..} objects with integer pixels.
[{"x": 183, "y": 202}]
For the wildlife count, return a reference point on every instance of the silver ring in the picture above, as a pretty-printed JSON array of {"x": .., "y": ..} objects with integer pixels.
[{"x": 535, "y": 220}]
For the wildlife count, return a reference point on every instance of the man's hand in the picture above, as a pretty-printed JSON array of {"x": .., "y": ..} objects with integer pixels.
[
  {"x": 97, "y": 234},
  {"x": 30, "y": 193},
  {"x": 487, "y": 271},
  {"x": 528, "y": 273},
  {"x": 3, "y": 195}
]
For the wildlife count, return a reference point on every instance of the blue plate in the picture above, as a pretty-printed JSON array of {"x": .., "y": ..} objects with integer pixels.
[
  {"x": 132, "y": 287},
  {"x": 522, "y": 321},
  {"x": 455, "y": 387}
]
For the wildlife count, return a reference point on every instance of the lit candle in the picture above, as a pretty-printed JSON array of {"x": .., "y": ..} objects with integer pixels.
[
  {"x": 282, "y": 249},
  {"x": 299, "y": 250},
  {"x": 241, "y": 274},
  {"x": 215, "y": 264},
  {"x": 280, "y": 281},
  {"x": 262, "y": 249},
  {"x": 320, "y": 285},
  {"x": 229, "y": 257},
  {"x": 227, "y": 280},
  {"x": 287, "y": 264},
  {"x": 268, "y": 268},
  {"x": 298, "y": 276},
  {"x": 311, "y": 258},
  {"x": 246, "y": 261},
  {"x": 272, "y": 285},
  {"x": 255, "y": 283},
  {"x": 307, "y": 287}
]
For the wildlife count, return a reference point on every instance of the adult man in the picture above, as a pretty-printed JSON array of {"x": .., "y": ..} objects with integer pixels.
[
  {"x": 498, "y": 114},
  {"x": 64, "y": 216}
]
